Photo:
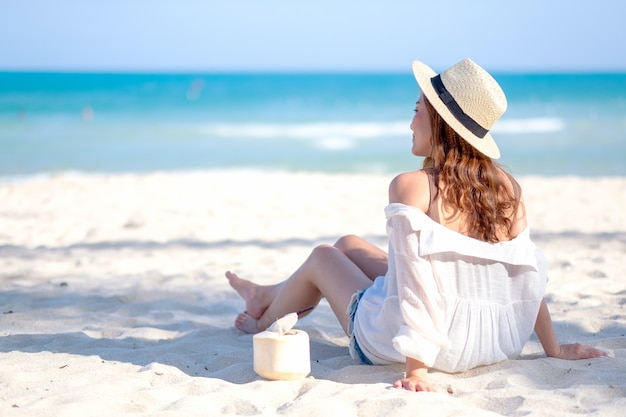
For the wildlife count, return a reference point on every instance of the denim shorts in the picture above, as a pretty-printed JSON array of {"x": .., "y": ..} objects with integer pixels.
[{"x": 355, "y": 349}]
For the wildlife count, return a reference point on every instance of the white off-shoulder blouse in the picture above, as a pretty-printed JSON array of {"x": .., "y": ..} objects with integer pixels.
[{"x": 448, "y": 300}]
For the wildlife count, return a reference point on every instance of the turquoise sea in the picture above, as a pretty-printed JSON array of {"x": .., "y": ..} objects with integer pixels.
[{"x": 556, "y": 124}]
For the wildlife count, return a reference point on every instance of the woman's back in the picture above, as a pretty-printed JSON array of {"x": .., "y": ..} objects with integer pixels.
[
  {"x": 447, "y": 299},
  {"x": 419, "y": 189}
]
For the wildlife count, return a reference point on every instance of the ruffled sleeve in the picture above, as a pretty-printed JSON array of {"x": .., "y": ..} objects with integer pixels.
[{"x": 422, "y": 333}]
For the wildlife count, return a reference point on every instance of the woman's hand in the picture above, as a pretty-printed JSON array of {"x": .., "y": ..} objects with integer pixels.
[
  {"x": 577, "y": 351},
  {"x": 415, "y": 378},
  {"x": 545, "y": 332},
  {"x": 415, "y": 384}
]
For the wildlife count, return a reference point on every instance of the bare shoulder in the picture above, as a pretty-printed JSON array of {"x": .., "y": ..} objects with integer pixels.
[{"x": 410, "y": 188}]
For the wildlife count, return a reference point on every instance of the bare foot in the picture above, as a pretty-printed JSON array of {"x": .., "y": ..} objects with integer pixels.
[
  {"x": 247, "y": 324},
  {"x": 256, "y": 296}
]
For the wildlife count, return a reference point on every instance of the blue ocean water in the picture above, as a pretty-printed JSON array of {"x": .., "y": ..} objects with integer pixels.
[{"x": 556, "y": 124}]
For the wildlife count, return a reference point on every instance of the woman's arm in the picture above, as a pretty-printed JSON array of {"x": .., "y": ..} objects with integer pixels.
[
  {"x": 412, "y": 189},
  {"x": 416, "y": 378},
  {"x": 545, "y": 332}
]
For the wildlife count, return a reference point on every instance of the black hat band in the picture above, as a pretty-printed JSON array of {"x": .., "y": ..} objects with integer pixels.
[{"x": 447, "y": 99}]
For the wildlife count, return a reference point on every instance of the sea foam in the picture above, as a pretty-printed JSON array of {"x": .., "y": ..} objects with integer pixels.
[{"x": 360, "y": 130}]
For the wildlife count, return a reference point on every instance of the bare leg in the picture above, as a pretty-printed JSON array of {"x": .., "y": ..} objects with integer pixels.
[
  {"x": 327, "y": 272},
  {"x": 368, "y": 257}
]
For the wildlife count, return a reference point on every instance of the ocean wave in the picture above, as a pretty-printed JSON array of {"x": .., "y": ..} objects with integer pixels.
[
  {"x": 355, "y": 130},
  {"x": 531, "y": 125},
  {"x": 340, "y": 134},
  {"x": 336, "y": 143}
]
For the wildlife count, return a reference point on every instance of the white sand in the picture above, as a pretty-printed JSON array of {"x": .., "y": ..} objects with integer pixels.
[{"x": 113, "y": 300}]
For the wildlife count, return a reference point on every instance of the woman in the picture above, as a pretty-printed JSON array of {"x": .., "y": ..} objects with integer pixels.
[{"x": 463, "y": 284}]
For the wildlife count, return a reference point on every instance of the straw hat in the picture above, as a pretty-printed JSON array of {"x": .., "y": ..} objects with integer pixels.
[{"x": 467, "y": 98}]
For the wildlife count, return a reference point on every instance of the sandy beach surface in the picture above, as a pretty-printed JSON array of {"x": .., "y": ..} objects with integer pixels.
[{"x": 113, "y": 298}]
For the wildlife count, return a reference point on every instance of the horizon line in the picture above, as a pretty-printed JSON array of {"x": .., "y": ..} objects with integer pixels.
[{"x": 291, "y": 71}]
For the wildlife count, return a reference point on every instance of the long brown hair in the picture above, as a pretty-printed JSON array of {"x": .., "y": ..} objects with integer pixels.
[{"x": 470, "y": 183}]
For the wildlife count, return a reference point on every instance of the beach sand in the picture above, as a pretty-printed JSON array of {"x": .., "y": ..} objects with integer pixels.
[{"x": 114, "y": 302}]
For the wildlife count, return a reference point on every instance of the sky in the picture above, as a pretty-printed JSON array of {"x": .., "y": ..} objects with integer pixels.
[{"x": 311, "y": 36}]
